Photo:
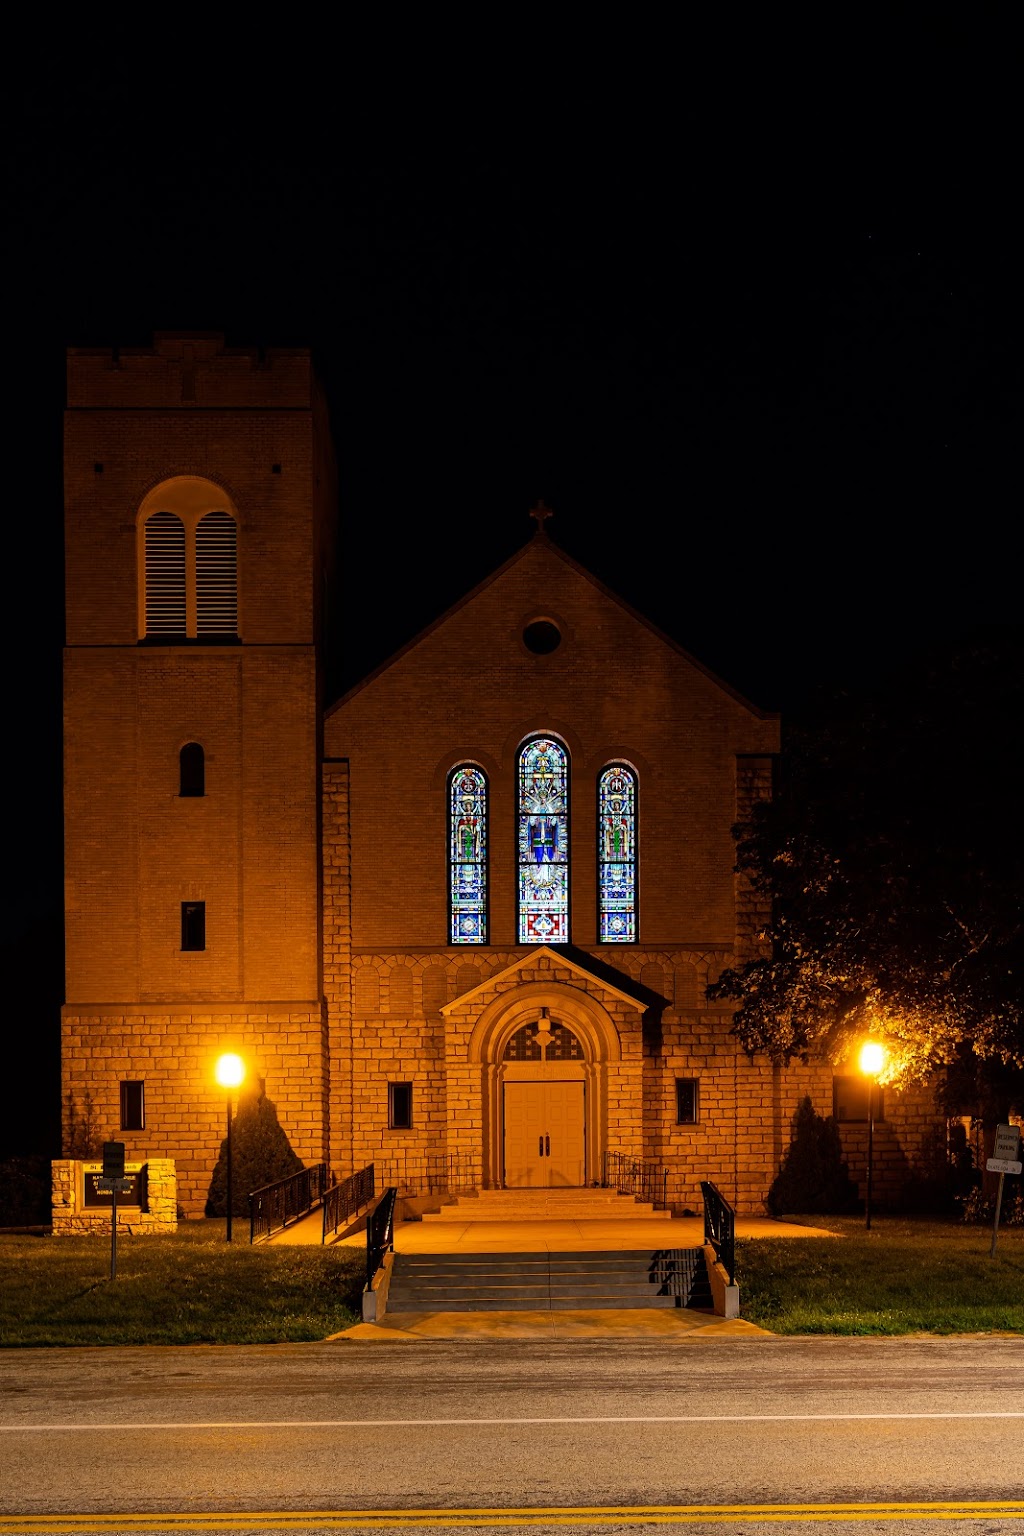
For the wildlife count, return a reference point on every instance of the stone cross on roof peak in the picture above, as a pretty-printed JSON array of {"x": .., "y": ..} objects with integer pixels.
[{"x": 541, "y": 513}]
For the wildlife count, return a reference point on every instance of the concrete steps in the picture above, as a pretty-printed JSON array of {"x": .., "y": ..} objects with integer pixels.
[
  {"x": 506, "y": 1205},
  {"x": 548, "y": 1282}
]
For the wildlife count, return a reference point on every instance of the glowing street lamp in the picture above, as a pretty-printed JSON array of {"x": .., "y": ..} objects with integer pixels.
[
  {"x": 872, "y": 1060},
  {"x": 230, "y": 1072}
]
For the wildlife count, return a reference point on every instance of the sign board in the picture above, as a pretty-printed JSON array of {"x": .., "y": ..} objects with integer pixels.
[
  {"x": 132, "y": 1189},
  {"x": 1005, "y": 1145},
  {"x": 113, "y": 1159},
  {"x": 1003, "y": 1165}
]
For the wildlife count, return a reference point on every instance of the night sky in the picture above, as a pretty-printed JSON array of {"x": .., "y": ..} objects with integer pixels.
[{"x": 745, "y": 311}]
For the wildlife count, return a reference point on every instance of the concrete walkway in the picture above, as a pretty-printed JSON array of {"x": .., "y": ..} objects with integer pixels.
[{"x": 456, "y": 1234}]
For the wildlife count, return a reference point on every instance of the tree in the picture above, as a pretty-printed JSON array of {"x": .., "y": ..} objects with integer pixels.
[
  {"x": 893, "y": 861},
  {"x": 260, "y": 1154},
  {"x": 813, "y": 1175}
]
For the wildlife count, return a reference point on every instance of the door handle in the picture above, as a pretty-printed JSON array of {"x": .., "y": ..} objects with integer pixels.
[
  {"x": 540, "y": 1149},
  {"x": 547, "y": 1146}
]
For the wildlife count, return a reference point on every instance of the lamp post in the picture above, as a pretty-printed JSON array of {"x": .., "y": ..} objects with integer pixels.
[
  {"x": 230, "y": 1071},
  {"x": 872, "y": 1057}
]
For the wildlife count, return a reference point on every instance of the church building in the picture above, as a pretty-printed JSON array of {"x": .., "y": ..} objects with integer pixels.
[{"x": 458, "y": 923}]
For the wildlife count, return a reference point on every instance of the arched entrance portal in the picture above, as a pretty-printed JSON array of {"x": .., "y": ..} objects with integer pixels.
[
  {"x": 544, "y": 1054},
  {"x": 544, "y": 1142}
]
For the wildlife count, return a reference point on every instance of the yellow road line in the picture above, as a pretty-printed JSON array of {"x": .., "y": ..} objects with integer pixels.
[{"x": 533, "y": 1515}]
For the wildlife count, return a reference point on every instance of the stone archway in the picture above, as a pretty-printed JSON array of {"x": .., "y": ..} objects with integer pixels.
[{"x": 544, "y": 1052}]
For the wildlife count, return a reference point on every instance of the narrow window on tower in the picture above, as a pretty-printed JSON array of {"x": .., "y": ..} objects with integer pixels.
[
  {"x": 216, "y": 575},
  {"x": 164, "y": 559},
  {"x": 400, "y": 1106},
  {"x": 616, "y": 855},
  {"x": 133, "y": 1106},
  {"x": 543, "y": 842},
  {"x": 467, "y": 856},
  {"x": 188, "y": 564},
  {"x": 193, "y": 925},
  {"x": 191, "y": 770}
]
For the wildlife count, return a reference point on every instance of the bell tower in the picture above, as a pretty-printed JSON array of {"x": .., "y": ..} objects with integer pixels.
[{"x": 199, "y": 536}]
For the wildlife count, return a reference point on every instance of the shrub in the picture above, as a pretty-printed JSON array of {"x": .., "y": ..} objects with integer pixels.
[
  {"x": 25, "y": 1192},
  {"x": 260, "y": 1154},
  {"x": 979, "y": 1209},
  {"x": 813, "y": 1175}
]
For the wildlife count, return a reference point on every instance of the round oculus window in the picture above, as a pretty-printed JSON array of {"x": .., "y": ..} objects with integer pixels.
[{"x": 542, "y": 637}]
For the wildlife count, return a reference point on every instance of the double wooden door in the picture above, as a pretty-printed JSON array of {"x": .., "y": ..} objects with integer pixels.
[{"x": 545, "y": 1144}]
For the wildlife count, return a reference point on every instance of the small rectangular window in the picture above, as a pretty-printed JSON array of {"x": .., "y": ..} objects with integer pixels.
[
  {"x": 850, "y": 1100},
  {"x": 400, "y": 1106},
  {"x": 687, "y": 1101},
  {"x": 193, "y": 925},
  {"x": 133, "y": 1106}
]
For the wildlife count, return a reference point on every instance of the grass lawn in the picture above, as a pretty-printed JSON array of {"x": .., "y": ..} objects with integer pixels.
[
  {"x": 190, "y": 1287},
  {"x": 906, "y": 1275}
]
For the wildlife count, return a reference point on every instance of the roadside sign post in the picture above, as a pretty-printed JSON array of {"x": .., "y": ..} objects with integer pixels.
[
  {"x": 113, "y": 1182},
  {"x": 1005, "y": 1159}
]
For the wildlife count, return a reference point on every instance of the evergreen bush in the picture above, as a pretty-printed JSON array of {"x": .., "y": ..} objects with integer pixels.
[
  {"x": 260, "y": 1154},
  {"x": 813, "y": 1175}
]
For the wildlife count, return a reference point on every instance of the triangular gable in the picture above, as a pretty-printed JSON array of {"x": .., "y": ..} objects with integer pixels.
[
  {"x": 545, "y": 540},
  {"x": 629, "y": 992}
]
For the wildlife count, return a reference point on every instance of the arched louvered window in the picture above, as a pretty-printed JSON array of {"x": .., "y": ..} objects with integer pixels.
[
  {"x": 192, "y": 770},
  {"x": 467, "y": 855},
  {"x": 616, "y": 855},
  {"x": 216, "y": 575},
  {"x": 543, "y": 842},
  {"x": 188, "y": 563},
  {"x": 165, "y": 574}
]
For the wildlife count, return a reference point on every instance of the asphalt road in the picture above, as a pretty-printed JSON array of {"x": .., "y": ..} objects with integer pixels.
[{"x": 704, "y": 1434}]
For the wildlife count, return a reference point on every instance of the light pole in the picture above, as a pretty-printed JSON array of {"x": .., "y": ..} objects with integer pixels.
[
  {"x": 230, "y": 1071},
  {"x": 872, "y": 1058}
]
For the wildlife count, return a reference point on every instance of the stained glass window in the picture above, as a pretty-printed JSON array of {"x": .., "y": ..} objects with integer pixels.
[
  {"x": 467, "y": 855},
  {"x": 543, "y": 841},
  {"x": 616, "y": 855}
]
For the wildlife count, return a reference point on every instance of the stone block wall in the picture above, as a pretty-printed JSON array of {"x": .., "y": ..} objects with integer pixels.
[
  {"x": 72, "y": 1218},
  {"x": 173, "y": 1053}
]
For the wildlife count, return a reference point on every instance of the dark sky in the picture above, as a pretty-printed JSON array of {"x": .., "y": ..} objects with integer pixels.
[{"x": 745, "y": 310}]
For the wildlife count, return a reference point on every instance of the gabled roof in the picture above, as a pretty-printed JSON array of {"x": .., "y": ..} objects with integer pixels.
[
  {"x": 540, "y": 537},
  {"x": 577, "y": 960}
]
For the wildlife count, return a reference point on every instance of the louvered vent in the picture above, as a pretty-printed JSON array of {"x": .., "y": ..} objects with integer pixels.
[
  {"x": 216, "y": 575},
  {"x": 165, "y": 574}
]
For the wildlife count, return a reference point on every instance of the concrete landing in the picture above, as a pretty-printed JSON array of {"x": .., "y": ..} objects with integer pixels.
[
  {"x": 667, "y": 1327},
  {"x": 456, "y": 1234}
]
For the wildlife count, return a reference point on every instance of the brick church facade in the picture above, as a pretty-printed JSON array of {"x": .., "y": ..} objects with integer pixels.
[{"x": 459, "y": 922}]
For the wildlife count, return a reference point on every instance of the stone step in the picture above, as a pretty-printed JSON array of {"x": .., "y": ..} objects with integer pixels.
[
  {"x": 575, "y": 1205},
  {"x": 544, "y": 1282},
  {"x": 612, "y": 1302}
]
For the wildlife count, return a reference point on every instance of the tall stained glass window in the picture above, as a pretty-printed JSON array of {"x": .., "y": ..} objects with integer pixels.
[
  {"x": 467, "y": 855},
  {"x": 616, "y": 855},
  {"x": 543, "y": 835}
]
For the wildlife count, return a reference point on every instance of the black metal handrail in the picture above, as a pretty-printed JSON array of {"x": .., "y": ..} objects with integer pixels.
[
  {"x": 633, "y": 1176},
  {"x": 380, "y": 1234},
  {"x": 343, "y": 1200},
  {"x": 419, "y": 1172},
  {"x": 720, "y": 1227},
  {"x": 277, "y": 1205}
]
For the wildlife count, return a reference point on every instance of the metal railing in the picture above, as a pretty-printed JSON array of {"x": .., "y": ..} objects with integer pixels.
[
  {"x": 720, "y": 1227},
  {"x": 343, "y": 1200},
  {"x": 419, "y": 1172},
  {"x": 633, "y": 1176},
  {"x": 380, "y": 1234},
  {"x": 277, "y": 1205}
]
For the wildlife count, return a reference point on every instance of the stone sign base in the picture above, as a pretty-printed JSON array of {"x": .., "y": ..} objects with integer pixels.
[{"x": 78, "y": 1208}]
